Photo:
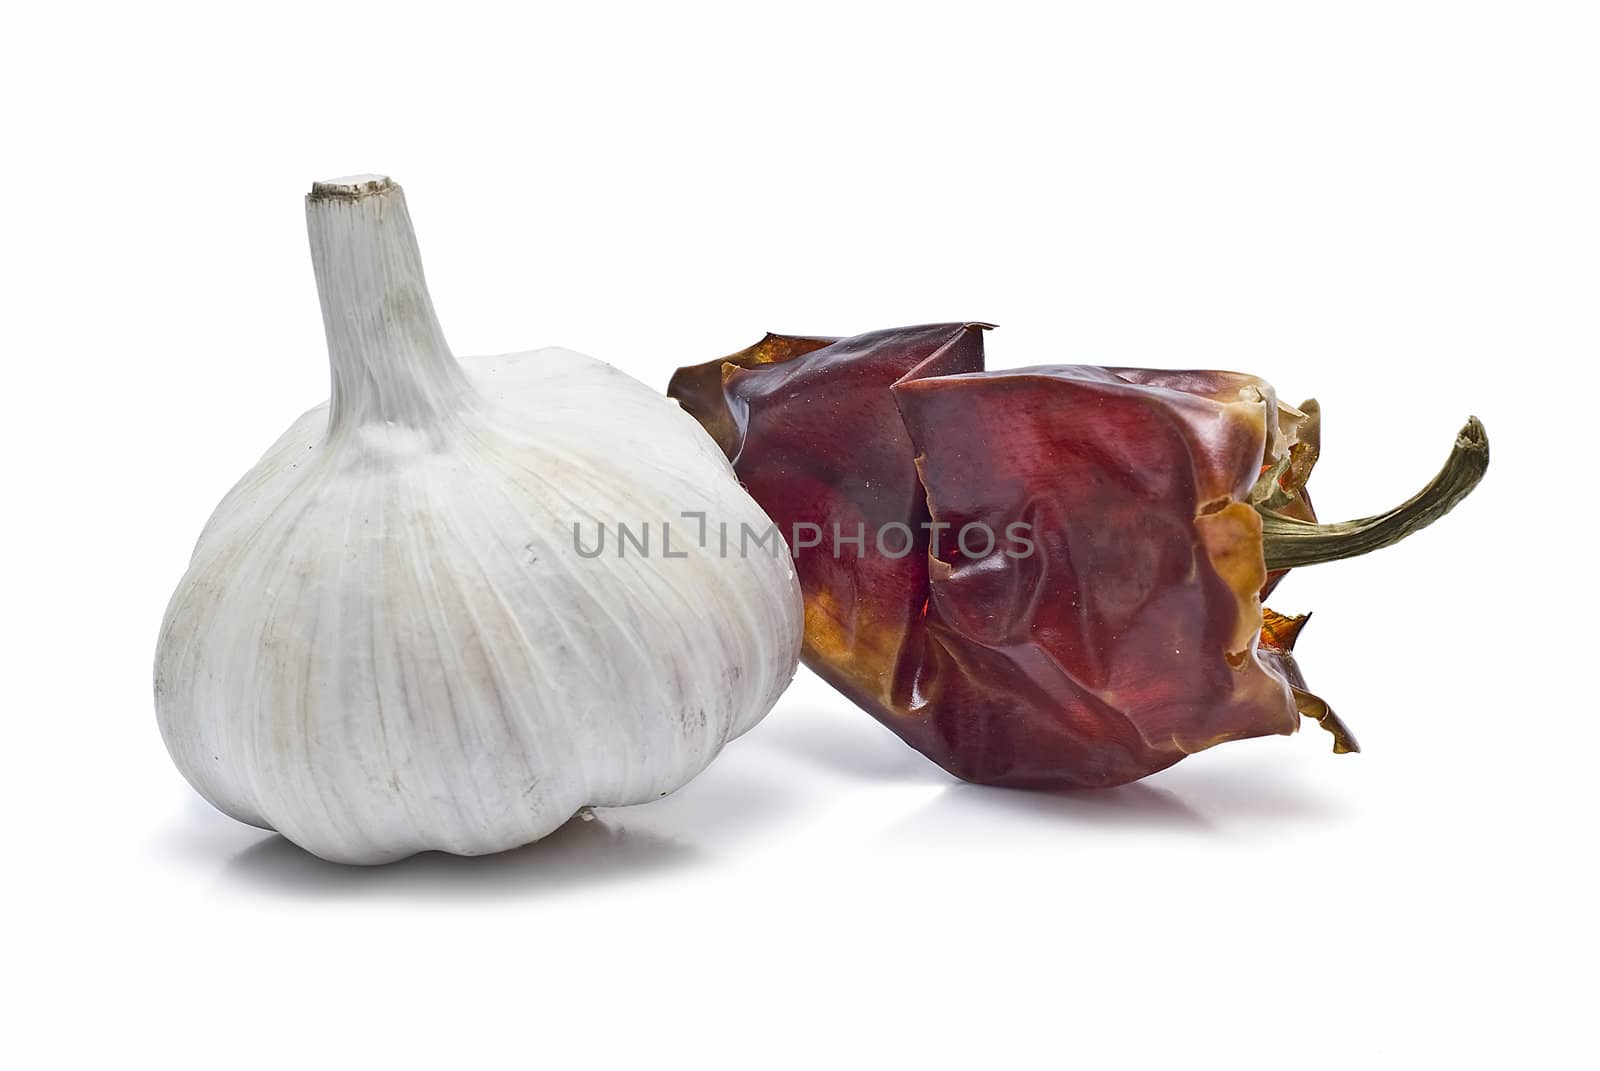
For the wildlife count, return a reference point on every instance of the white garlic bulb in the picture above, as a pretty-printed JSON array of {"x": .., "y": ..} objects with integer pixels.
[{"x": 392, "y": 638}]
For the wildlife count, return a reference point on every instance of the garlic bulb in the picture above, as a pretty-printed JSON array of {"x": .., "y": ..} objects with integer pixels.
[{"x": 391, "y": 637}]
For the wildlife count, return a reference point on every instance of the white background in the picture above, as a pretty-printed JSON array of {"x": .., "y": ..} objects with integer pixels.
[{"x": 1392, "y": 206}]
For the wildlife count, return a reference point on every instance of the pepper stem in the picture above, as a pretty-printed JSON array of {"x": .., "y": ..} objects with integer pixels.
[{"x": 1287, "y": 542}]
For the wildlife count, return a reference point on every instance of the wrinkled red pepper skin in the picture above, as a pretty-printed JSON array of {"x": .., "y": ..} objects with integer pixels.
[{"x": 1128, "y": 636}]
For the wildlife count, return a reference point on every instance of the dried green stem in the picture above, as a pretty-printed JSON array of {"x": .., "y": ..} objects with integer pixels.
[{"x": 1288, "y": 542}]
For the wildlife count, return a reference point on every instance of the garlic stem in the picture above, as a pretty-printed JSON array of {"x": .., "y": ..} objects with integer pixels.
[{"x": 389, "y": 358}]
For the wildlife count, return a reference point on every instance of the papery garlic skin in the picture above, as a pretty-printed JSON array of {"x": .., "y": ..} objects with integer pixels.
[{"x": 387, "y": 642}]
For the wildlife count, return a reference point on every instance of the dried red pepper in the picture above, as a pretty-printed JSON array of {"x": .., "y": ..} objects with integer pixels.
[{"x": 1118, "y": 629}]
